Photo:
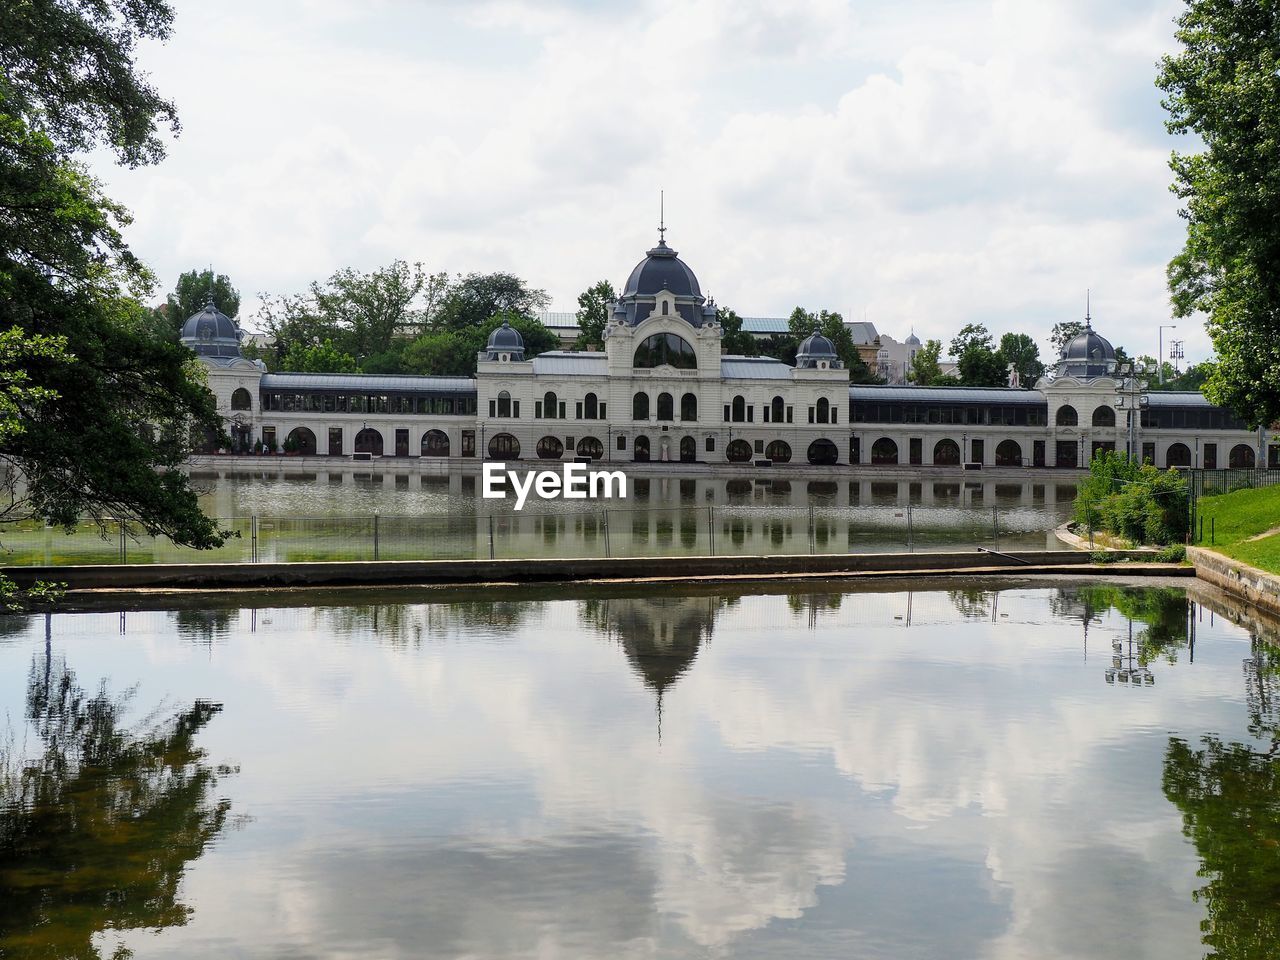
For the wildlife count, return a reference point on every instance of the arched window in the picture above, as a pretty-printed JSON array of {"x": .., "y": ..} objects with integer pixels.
[
  {"x": 1009, "y": 452},
  {"x": 688, "y": 450},
  {"x": 777, "y": 410},
  {"x": 503, "y": 446},
  {"x": 241, "y": 399},
  {"x": 640, "y": 407},
  {"x": 824, "y": 410},
  {"x": 504, "y": 404},
  {"x": 779, "y": 451},
  {"x": 666, "y": 407},
  {"x": 665, "y": 348},
  {"x": 689, "y": 407},
  {"x": 1104, "y": 417},
  {"x": 590, "y": 447},
  {"x": 549, "y": 405},
  {"x": 738, "y": 451},
  {"x": 1177, "y": 456},
  {"x": 884, "y": 451},
  {"x": 640, "y": 449},
  {"x": 1241, "y": 457},
  {"x": 369, "y": 440},
  {"x": 300, "y": 440},
  {"x": 435, "y": 443},
  {"x": 1067, "y": 416},
  {"x": 590, "y": 407},
  {"x": 550, "y": 448},
  {"x": 739, "y": 409},
  {"x": 823, "y": 453},
  {"x": 946, "y": 453}
]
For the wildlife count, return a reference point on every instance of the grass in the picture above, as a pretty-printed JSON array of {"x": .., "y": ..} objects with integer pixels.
[{"x": 1236, "y": 518}]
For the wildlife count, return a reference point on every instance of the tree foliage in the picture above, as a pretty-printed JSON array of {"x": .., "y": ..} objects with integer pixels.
[
  {"x": 1222, "y": 86},
  {"x": 67, "y": 84},
  {"x": 926, "y": 369},
  {"x": 192, "y": 292},
  {"x": 593, "y": 314},
  {"x": 321, "y": 357},
  {"x": 96, "y": 830},
  {"x": 1064, "y": 332},
  {"x": 979, "y": 363},
  {"x": 734, "y": 340},
  {"x": 1138, "y": 502},
  {"x": 1020, "y": 350}
]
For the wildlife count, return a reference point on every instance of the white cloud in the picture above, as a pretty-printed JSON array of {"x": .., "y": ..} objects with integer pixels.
[{"x": 932, "y": 164}]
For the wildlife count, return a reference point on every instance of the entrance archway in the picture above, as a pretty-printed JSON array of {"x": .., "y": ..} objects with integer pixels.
[
  {"x": 779, "y": 451},
  {"x": 738, "y": 451},
  {"x": 550, "y": 448},
  {"x": 640, "y": 449},
  {"x": 1178, "y": 455},
  {"x": 590, "y": 447},
  {"x": 435, "y": 443},
  {"x": 503, "y": 446},
  {"x": 946, "y": 453},
  {"x": 1009, "y": 452},
  {"x": 369, "y": 440},
  {"x": 688, "y": 450},
  {"x": 1241, "y": 457},
  {"x": 884, "y": 452},
  {"x": 823, "y": 453},
  {"x": 300, "y": 440}
]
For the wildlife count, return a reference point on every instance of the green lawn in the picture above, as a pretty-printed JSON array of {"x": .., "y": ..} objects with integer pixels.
[{"x": 1237, "y": 517}]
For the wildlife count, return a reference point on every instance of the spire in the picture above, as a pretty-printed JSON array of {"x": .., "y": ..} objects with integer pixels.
[
  {"x": 208, "y": 299},
  {"x": 662, "y": 219},
  {"x": 1088, "y": 320}
]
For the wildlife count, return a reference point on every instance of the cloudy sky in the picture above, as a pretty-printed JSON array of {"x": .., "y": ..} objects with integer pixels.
[{"x": 922, "y": 164}]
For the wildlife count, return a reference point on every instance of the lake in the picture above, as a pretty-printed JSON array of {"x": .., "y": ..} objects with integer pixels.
[{"x": 1082, "y": 770}]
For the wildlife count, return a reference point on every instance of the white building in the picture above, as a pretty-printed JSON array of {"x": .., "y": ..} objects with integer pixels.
[{"x": 662, "y": 391}]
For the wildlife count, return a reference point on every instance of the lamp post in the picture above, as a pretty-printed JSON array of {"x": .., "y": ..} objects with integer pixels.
[
  {"x": 1160, "y": 347},
  {"x": 1131, "y": 397},
  {"x": 1123, "y": 667}
]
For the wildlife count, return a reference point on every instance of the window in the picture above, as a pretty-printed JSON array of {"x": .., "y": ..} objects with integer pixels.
[
  {"x": 779, "y": 451},
  {"x": 666, "y": 407},
  {"x": 590, "y": 407},
  {"x": 504, "y": 404},
  {"x": 1067, "y": 416},
  {"x": 591, "y": 447},
  {"x": 550, "y": 448},
  {"x": 468, "y": 443},
  {"x": 503, "y": 446},
  {"x": 738, "y": 451},
  {"x": 1104, "y": 417},
  {"x": 241, "y": 400},
  {"x": 640, "y": 407},
  {"x": 335, "y": 441},
  {"x": 739, "y": 409},
  {"x": 776, "y": 410},
  {"x": 622, "y": 442},
  {"x": 435, "y": 443},
  {"x": 711, "y": 444},
  {"x": 689, "y": 407},
  {"x": 668, "y": 349},
  {"x": 824, "y": 410}
]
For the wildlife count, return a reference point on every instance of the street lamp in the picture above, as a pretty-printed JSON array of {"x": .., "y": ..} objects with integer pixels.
[
  {"x": 1123, "y": 667},
  {"x": 1160, "y": 347},
  {"x": 1131, "y": 397}
]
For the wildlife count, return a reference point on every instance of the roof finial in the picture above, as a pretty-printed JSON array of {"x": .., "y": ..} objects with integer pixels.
[
  {"x": 1088, "y": 320},
  {"x": 662, "y": 218},
  {"x": 208, "y": 300}
]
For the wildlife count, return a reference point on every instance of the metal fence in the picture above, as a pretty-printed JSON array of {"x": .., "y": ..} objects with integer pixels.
[
  {"x": 1211, "y": 483},
  {"x": 680, "y": 530}
]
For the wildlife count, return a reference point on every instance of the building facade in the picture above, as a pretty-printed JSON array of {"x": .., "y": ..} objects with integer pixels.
[{"x": 662, "y": 391}]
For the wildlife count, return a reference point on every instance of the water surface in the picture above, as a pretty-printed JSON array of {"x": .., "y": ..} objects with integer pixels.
[{"x": 926, "y": 774}]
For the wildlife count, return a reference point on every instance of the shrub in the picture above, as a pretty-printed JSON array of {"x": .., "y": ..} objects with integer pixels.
[
  {"x": 1140, "y": 503},
  {"x": 1172, "y": 554}
]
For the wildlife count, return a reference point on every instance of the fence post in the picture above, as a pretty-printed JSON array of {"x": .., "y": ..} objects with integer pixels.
[
  {"x": 607, "y": 552},
  {"x": 491, "y": 553},
  {"x": 995, "y": 526},
  {"x": 711, "y": 532},
  {"x": 911, "y": 548},
  {"x": 1212, "y": 539},
  {"x": 253, "y": 538}
]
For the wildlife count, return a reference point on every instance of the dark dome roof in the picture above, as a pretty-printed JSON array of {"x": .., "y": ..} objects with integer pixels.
[
  {"x": 211, "y": 333},
  {"x": 506, "y": 337},
  {"x": 816, "y": 345},
  {"x": 912, "y": 340},
  {"x": 1090, "y": 346},
  {"x": 661, "y": 270}
]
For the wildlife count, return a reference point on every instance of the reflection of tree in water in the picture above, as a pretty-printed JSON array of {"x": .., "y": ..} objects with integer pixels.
[
  {"x": 972, "y": 604},
  {"x": 814, "y": 603},
  {"x": 96, "y": 831},
  {"x": 1229, "y": 797},
  {"x": 402, "y": 624},
  {"x": 204, "y": 625},
  {"x": 1161, "y": 610}
]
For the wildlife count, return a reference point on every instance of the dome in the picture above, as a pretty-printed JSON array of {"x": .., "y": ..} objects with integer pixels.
[
  {"x": 816, "y": 349},
  {"x": 211, "y": 333},
  {"x": 505, "y": 339},
  {"x": 1090, "y": 346},
  {"x": 912, "y": 340},
  {"x": 662, "y": 270}
]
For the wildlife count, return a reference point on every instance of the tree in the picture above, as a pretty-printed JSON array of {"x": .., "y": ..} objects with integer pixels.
[
  {"x": 68, "y": 84},
  {"x": 192, "y": 292},
  {"x": 593, "y": 313},
  {"x": 1020, "y": 350},
  {"x": 474, "y": 300},
  {"x": 925, "y": 369},
  {"x": 733, "y": 339},
  {"x": 1063, "y": 333},
  {"x": 322, "y": 357},
  {"x": 1222, "y": 87},
  {"x": 96, "y": 831},
  {"x": 976, "y": 357},
  {"x": 803, "y": 322}
]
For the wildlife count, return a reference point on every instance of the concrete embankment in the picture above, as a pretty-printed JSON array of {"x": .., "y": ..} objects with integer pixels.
[
  {"x": 1258, "y": 587},
  {"x": 216, "y": 576}
]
